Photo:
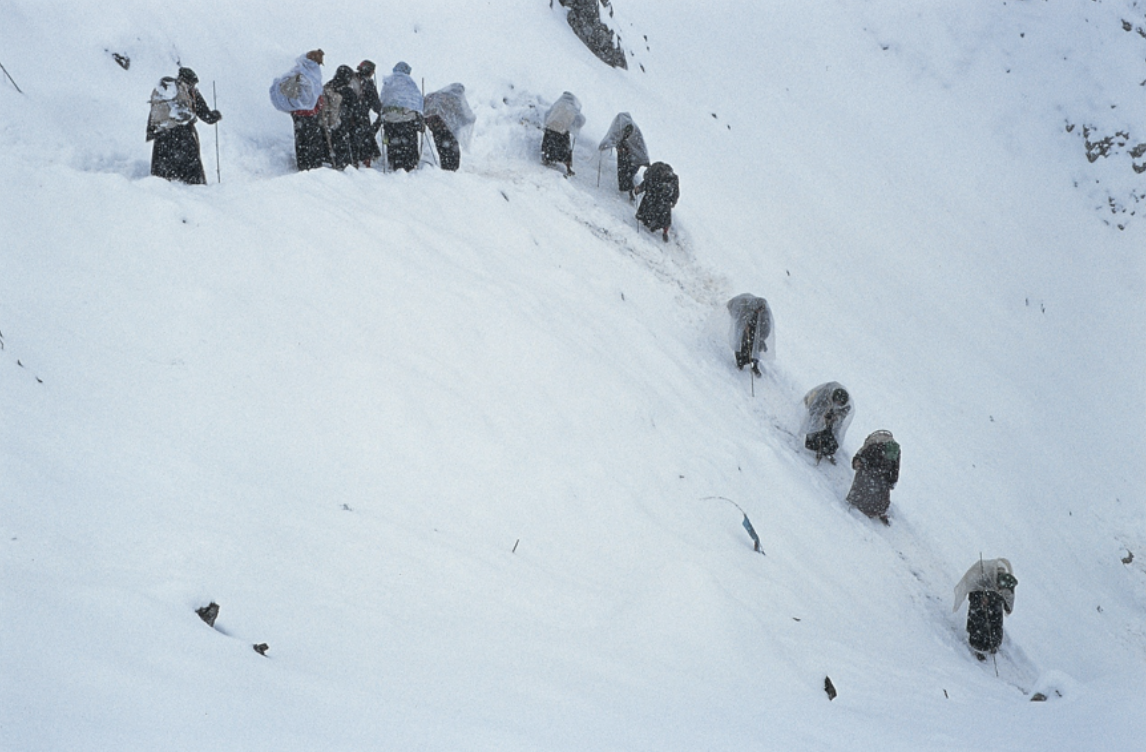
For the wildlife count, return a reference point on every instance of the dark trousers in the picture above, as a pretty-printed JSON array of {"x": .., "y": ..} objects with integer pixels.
[
  {"x": 985, "y": 620},
  {"x": 402, "y": 145},
  {"x": 310, "y": 148},
  {"x": 449, "y": 153},
  {"x": 556, "y": 147},
  {"x": 625, "y": 170},
  {"x": 747, "y": 339},
  {"x": 175, "y": 155},
  {"x": 823, "y": 443}
]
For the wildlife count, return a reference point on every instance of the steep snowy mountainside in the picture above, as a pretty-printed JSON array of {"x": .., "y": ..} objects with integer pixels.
[
  {"x": 1065, "y": 81},
  {"x": 460, "y": 447}
]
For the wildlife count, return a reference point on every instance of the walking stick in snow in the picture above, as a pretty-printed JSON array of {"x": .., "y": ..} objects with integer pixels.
[
  {"x": 215, "y": 106},
  {"x": 983, "y": 572},
  {"x": 385, "y": 144},
  {"x": 9, "y": 76},
  {"x": 600, "y": 156},
  {"x": 422, "y": 131},
  {"x": 422, "y": 135}
]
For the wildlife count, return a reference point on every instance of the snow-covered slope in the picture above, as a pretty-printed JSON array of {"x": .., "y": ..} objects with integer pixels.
[{"x": 460, "y": 447}]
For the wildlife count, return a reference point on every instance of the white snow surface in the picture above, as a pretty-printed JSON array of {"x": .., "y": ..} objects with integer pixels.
[{"x": 460, "y": 447}]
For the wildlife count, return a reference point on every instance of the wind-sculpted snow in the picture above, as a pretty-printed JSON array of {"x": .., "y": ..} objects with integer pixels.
[{"x": 456, "y": 450}]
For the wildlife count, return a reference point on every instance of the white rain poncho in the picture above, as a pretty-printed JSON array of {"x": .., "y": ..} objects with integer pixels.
[
  {"x": 400, "y": 96},
  {"x": 299, "y": 89},
  {"x": 565, "y": 115},
  {"x": 984, "y": 576},
  {"x": 636, "y": 141},
  {"x": 749, "y": 310},
  {"x": 821, "y": 406},
  {"x": 451, "y": 106}
]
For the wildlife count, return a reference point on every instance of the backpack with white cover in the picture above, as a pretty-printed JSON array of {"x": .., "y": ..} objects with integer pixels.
[
  {"x": 565, "y": 114},
  {"x": 401, "y": 100},
  {"x": 298, "y": 89},
  {"x": 171, "y": 106}
]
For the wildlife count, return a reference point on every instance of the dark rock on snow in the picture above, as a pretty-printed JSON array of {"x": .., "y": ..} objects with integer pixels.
[
  {"x": 209, "y": 613},
  {"x": 585, "y": 19}
]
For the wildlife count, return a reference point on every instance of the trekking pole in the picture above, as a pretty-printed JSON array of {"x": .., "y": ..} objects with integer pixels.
[
  {"x": 600, "y": 156},
  {"x": 990, "y": 629},
  {"x": 215, "y": 106},
  {"x": 380, "y": 137},
  {"x": 9, "y": 75},
  {"x": 422, "y": 131}
]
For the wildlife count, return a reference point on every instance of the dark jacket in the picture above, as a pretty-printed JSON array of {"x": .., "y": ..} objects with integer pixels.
[
  {"x": 877, "y": 472},
  {"x": 661, "y": 189},
  {"x": 175, "y": 151},
  {"x": 342, "y": 137},
  {"x": 449, "y": 153},
  {"x": 363, "y": 131}
]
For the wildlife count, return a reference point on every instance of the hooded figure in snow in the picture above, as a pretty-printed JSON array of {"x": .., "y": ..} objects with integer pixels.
[
  {"x": 175, "y": 106},
  {"x": 563, "y": 119},
  {"x": 299, "y": 93},
  {"x": 989, "y": 587},
  {"x": 662, "y": 190},
  {"x": 751, "y": 334},
  {"x": 877, "y": 471},
  {"x": 402, "y": 118},
  {"x": 450, "y": 120},
  {"x": 829, "y": 414},
  {"x": 366, "y": 100},
  {"x": 632, "y": 154},
  {"x": 339, "y": 118}
]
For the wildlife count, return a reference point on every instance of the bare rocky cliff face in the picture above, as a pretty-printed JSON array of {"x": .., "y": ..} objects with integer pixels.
[{"x": 585, "y": 19}]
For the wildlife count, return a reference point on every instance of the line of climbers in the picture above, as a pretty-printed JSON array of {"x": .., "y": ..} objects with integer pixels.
[
  {"x": 660, "y": 185},
  {"x": 988, "y": 586},
  {"x": 333, "y": 123}
]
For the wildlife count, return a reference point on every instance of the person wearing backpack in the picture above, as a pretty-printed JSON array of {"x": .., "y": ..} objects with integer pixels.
[
  {"x": 338, "y": 118},
  {"x": 366, "y": 101},
  {"x": 829, "y": 413},
  {"x": 402, "y": 113},
  {"x": 176, "y": 105},
  {"x": 562, "y": 120},
  {"x": 989, "y": 588},
  {"x": 632, "y": 154},
  {"x": 750, "y": 333},
  {"x": 877, "y": 471},
  {"x": 662, "y": 190},
  {"x": 450, "y": 120},
  {"x": 299, "y": 93}
]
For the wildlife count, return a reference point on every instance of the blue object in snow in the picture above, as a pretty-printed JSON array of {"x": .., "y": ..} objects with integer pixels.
[{"x": 752, "y": 532}]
